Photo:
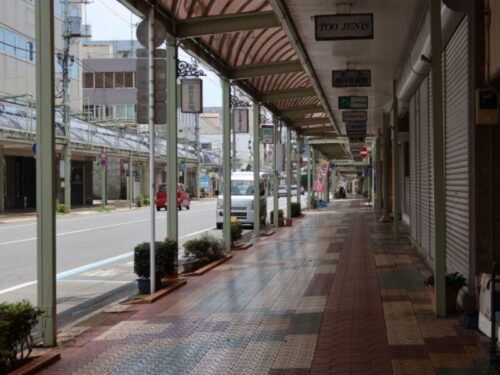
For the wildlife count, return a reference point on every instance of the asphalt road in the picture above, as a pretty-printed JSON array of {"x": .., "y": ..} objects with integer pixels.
[{"x": 94, "y": 254}]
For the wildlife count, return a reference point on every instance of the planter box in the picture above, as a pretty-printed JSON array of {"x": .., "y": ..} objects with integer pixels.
[
  {"x": 37, "y": 364},
  {"x": 190, "y": 266},
  {"x": 167, "y": 289},
  {"x": 451, "y": 299},
  {"x": 208, "y": 267}
]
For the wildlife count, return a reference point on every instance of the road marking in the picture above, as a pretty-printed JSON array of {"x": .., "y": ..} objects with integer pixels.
[
  {"x": 158, "y": 217},
  {"x": 94, "y": 265}
]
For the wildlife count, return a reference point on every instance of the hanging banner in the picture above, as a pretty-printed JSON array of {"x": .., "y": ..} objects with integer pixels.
[
  {"x": 321, "y": 176},
  {"x": 192, "y": 100},
  {"x": 240, "y": 117}
]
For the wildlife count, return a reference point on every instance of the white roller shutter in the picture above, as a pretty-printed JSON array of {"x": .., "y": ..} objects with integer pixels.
[
  {"x": 413, "y": 175},
  {"x": 424, "y": 166},
  {"x": 432, "y": 251},
  {"x": 457, "y": 151}
]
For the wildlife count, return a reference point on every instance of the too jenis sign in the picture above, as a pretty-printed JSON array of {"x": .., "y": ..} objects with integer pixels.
[{"x": 344, "y": 26}]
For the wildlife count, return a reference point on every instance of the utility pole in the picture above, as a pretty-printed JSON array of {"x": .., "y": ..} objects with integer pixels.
[{"x": 66, "y": 60}]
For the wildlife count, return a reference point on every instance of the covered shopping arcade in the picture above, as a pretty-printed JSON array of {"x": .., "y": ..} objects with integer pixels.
[{"x": 430, "y": 167}]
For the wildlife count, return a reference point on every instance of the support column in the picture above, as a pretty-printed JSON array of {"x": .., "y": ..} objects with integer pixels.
[
  {"x": 438, "y": 159},
  {"x": 385, "y": 167},
  {"x": 198, "y": 151},
  {"x": 275, "y": 172},
  {"x": 308, "y": 153},
  {"x": 299, "y": 188},
  {"x": 104, "y": 184},
  {"x": 151, "y": 116},
  {"x": 313, "y": 153},
  {"x": 45, "y": 170},
  {"x": 378, "y": 173},
  {"x": 2, "y": 181},
  {"x": 395, "y": 161},
  {"x": 288, "y": 172},
  {"x": 256, "y": 168},
  {"x": 172, "y": 168},
  {"x": 226, "y": 154},
  {"x": 334, "y": 181},
  {"x": 130, "y": 181}
]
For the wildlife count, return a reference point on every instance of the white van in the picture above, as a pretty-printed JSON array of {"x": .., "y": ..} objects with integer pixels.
[{"x": 242, "y": 204}]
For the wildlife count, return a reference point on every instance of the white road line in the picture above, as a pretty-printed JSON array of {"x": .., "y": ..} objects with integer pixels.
[
  {"x": 158, "y": 217},
  {"x": 91, "y": 266}
]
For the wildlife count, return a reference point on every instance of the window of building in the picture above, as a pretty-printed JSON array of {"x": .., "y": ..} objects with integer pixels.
[
  {"x": 88, "y": 80},
  {"x": 129, "y": 79},
  {"x": 108, "y": 80},
  {"x": 99, "y": 80},
  {"x": 16, "y": 45},
  {"x": 119, "y": 80}
]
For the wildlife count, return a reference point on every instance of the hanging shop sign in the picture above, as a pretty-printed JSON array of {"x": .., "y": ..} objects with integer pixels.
[
  {"x": 191, "y": 94},
  {"x": 354, "y": 116},
  {"x": 355, "y": 129},
  {"x": 240, "y": 118},
  {"x": 353, "y": 102},
  {"x": 321, "y": 176},
  {"x": 344, "y": 26},
  {"x": 351, "y": 78},
  {"x": 267, "y": 132}
]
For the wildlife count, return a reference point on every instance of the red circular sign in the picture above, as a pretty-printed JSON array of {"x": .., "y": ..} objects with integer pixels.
[{"x": 363, "y": 152}]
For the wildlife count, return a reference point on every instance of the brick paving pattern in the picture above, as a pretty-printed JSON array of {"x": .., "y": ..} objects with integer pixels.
[{"x": 331, "y": 295}]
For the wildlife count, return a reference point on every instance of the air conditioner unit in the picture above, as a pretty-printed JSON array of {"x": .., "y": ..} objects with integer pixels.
[{"x": 86, "y": 31}]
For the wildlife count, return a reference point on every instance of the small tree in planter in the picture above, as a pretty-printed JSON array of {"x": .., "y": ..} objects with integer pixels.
[
  {"x": 165, "y": 253},
  {"x": 454, "y": 282},
  {"x": 236, "y": 231},
  {"x": 16, "y": 343},
  {"x": 201, "y": 251},
  {"x": 295, "y": 209},
  {"x": 281, "y": 214}
]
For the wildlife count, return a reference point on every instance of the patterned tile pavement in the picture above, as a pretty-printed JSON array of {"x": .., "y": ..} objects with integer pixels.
[{"x": 331, "y": 295}]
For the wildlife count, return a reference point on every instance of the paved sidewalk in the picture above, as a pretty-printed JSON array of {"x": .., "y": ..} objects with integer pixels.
[{"x": 332, "y": 294}]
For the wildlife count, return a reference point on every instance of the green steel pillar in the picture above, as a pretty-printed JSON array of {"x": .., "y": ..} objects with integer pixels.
[
  {"x": 226, "y": 154},
  {"x": 298, "y": 170},
  {"x": 438, "y": 159},
  {"x": 395, "y": 161},
  {"x": 45, "y": 170},
  {"x": 256, "y": 168},
  {"x": 378, "y": 173},
  {"x": 313, "y": 153},
  {"x": 2, "y": 181},
  {"x": 385, "y": 169},
  {"x": 275, "y": 172},
  {"x": 130, "y": 182},
  {"x": 172, "y": 168},
  {"x": 308, "y": 153},
  {"x": 288, "y": 172},
  {"x": 334, "y": 180}
]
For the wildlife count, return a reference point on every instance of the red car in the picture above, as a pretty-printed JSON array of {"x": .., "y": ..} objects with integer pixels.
[{"x": 183, "y": 199}]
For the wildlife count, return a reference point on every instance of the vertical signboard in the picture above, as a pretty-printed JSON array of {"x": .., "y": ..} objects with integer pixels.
[
  {"x": 240, "y": 117},
  {"x": 321, "y": 176},
  {"x": 191, "y": 94},
  {"x": 267, "y": 134}
]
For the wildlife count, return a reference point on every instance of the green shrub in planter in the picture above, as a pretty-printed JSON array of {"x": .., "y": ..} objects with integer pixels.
[
  {"x": 138, "y": 201},
  {"x": 16, "y": 323},
  {"x": 295, "y": 209},
  {"x": 61, "y": 208},
  {"x": 145, "y": 201},
  {"x": 236, "y": 231},
  {"x": 314, "y": 202},
  {"x": 165, "y": 254},
  {"x": 281, "y": 214},
  {"x": 203, "y": 250},
  {"x": 454, "y": 280}
]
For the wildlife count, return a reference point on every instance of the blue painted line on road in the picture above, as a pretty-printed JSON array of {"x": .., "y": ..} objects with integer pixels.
[{"x": 91, "y": 266}]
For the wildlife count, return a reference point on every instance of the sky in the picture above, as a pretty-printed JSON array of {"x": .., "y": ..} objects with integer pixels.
[{"x": 112, "y": 21}]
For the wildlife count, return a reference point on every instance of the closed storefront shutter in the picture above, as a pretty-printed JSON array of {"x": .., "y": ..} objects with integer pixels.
[
  {"x": 413, "y": 175},
  {"x": 424, "y": 166},
  {"x": 457, "y": 151},
  {"x": 431, "y": 176}
]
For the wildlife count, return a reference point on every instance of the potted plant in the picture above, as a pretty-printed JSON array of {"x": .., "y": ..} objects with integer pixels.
[
  {"x": 454, "y": 282},
  {"x": 281, "y": 214},
  {"x": 16, "y": 324},
  {"x": 165, "y": 253},
  {"x": 295, "y": 209},
  {"x": 201, "y": 251},
  {"x": 314, "y": 202}
]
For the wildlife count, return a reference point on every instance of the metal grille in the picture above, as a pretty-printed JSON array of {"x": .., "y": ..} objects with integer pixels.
[
  {"x": 457, "y": 151},
  {"x": 413, "y": 185},
  {"x": 424, "y": 166}
]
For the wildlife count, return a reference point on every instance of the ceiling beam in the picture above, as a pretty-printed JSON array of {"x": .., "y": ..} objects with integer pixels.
[
  {"x": 328, "y": 141},
  {"x": 304, "y": 110},
  {"x": 200, "y": 26},
  {"x": 311, "y": 121},
  {"x": 249, "y": 71},
  {"x": 271, "y": 96}
]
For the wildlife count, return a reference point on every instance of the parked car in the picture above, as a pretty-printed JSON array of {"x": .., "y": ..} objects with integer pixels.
[
  {"x": 183, "y": 199},
  {"x": 282, "y": 191}
]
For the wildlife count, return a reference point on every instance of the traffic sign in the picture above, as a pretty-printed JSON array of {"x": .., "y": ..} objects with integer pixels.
[
  {"x": 363, "y": 152},
  {"x": 353, "y": 102}
]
